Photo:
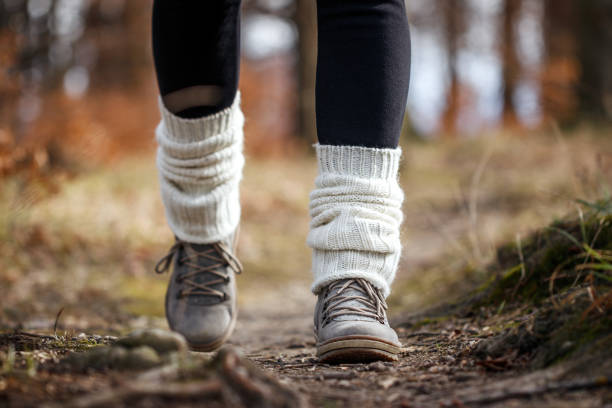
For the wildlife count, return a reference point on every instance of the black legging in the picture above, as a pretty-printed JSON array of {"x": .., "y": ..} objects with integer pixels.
[{"x": 363, "y": 65}]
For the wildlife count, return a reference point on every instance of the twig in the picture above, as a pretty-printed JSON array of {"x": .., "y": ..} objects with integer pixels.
[
  {"x": 338, "y": 375},
  {"x": 57, "y": 320},
  {"x": 521, "y": 257},
  {"x": 598, "y": 382},
  {"x": 473, "y": 202},
  {"x": 210, "y": 388},
  {"x": 298, "y": 365},
  {"x": 424, "y": 334},
  {"x": 38, "y": 336}
]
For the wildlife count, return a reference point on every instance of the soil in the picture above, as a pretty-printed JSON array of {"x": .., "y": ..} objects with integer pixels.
[
  {"x": 445, "y": 362},
  {"x": 516, "y": 331}
]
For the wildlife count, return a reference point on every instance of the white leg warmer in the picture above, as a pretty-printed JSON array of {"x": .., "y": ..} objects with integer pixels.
[
  {"x": 200, "y": 166},
  {"x": 356, "y": 213}
]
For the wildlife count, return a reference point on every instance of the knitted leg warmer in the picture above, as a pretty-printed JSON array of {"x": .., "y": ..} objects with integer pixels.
[
  {"x": 200, "y": 166},
  {"x": 355, "y": 212}
]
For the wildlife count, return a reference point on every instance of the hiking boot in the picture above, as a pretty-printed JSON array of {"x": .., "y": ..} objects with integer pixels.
[
  {"x": 351, "y": 324},
  {"x": 201, "y": 295}
]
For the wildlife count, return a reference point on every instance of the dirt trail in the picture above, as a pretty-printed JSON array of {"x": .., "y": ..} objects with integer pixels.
[
  {"x": 86, "y": 259},
  {"x": 435, "y": 369}
]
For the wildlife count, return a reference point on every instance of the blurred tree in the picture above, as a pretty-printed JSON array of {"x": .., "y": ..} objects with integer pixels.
[
  {"x": 561, "y": 70},
  {"x": 44, "y": 35},
  {"x": 114, "y": 45},
  {"x": 595, "y": 56},
  {"x": 453, "y": 26},
  {"x": 576, "y": 83},
  {"x": 61, "y": 60},
  {"x": 306, "y": 18},
  {"x": 511, "y": 67}
]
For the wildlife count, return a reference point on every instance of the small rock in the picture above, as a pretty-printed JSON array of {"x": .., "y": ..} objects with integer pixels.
[
  {"x": 82, "y": 336},
  {"x": 449, "y": 359},
  {"x": 296, "y": 346},
  {"x": 138, "y": 358},
  {"x": 345, "y": 384},
  {"x": 162, "y": 341},
  {"x": 115, "y": 357},
  {"x": 377, "y": 366},
  {"x": 388, "y": 382},
  {"x": 97, "y": 358},
  {"x": 567, "y": 345},
  {"x": 338, "y": 375}
]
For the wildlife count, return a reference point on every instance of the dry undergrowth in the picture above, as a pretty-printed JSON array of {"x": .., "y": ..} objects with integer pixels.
[{"x": 90, "y": 248}]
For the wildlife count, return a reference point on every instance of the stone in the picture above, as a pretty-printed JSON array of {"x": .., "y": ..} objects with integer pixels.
[
  {"x": 138, "y": 358},
  {"x": 162, "y": 341},
  {"x": 115, "y": 357}
]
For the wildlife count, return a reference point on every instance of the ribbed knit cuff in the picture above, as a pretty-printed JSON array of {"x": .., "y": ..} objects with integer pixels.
[
  {"x": 200, "y": 165},
  {"x": 355, "y": 213},
  {"x": 358, "y": 161},
  {"x": 185, "y": 130}
]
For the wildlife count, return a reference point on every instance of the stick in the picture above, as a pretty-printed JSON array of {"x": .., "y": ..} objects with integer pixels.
[
  {"x": 207, "y": 389},
  {"x": 592, "y": 383}
]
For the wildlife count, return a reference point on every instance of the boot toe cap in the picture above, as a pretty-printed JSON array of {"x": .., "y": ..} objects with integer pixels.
[
  {"x": 204, "y": 330},
  {"x": 361, "y": 328}
]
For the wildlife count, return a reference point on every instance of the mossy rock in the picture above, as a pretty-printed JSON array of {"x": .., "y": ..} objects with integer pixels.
[
  {"x": 162, "y": 341},
  {"x": 139, "y": 350},
  {"x": 524, "y": 274},
  {"x": 573, "y": 336},
  {"x": 114, "y": 358}
]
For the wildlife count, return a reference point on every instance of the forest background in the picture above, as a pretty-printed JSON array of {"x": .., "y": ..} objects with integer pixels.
[{"x": 506, "y": 131}]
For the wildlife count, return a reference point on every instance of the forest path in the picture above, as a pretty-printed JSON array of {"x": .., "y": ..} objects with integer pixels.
[
  {"x": 437, "y": 367},
  {"x": 90, "y": 249}
]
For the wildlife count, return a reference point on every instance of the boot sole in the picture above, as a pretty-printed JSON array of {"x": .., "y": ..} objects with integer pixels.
[
  {"x": 356, "y": 349},
  {"x": 205, "y": 348}
]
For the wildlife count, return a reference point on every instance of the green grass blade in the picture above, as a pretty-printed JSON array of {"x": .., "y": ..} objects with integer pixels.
[
  {"x": 601, "y": 267},
  {"x": 566, "y": 235},
  {"x": 602, "y": 276}
]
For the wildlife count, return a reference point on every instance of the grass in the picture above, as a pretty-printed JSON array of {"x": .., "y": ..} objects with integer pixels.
[
  {"x": 91, "y": 247},
  {"x": 571, "y": 252},
  {"x": 558, "y": 283},
  {"x": 456, "y": 219}
]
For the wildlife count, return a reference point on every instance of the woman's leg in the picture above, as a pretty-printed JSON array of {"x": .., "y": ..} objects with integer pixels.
[
  {"x": 196, "y": 48},
  {"x": 362, "y": 86},
  {"x": 363, "y": 71},
  {"x": 200, "y": 160}
]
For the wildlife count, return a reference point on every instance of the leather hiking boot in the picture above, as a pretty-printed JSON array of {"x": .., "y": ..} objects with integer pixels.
[
  {"x": 201, "y": 295},
  {"x": 351, "y": 324}
]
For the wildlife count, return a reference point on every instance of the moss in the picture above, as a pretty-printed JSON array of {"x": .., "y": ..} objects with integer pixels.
[
  {"x": 430, "y": 320},
  {"x": 559, "y": 248},
  {"x": 573, "y": 338},
  {"x": 520, "y": 283}
]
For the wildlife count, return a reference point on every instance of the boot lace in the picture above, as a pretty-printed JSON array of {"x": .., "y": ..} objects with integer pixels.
[
  {"x": 371, "y": 303},
  {"x": 221, "y": 257}
]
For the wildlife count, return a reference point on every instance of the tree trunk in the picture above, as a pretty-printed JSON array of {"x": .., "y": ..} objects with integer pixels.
[
  {"x": 453, "y": 24},
  {"x": 561, "y": 69},
  {"x": 306, "y": 18},
  {"x": 595, "y": 56},
  {"x": 511, "y": 65}
]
